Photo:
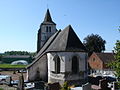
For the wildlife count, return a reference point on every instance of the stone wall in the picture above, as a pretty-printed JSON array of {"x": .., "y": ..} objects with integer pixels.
[
  {"x": 65, "y": 66},
  {"x": 45, "y": 35},
  {"x": 38, "y": 71}
]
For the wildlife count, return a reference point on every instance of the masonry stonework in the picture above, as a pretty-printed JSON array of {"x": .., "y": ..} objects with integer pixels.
[{"x": 66, "y": 67}]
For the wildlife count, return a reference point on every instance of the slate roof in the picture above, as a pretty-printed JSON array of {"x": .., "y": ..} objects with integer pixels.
[
  {"x": 106, "y": 57},
  {"x": 65, "y": 40},
  {"x": 48, "y": 19}
]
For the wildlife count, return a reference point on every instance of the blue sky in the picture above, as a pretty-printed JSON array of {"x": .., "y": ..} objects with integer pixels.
[{"x": 20, "y": 20}]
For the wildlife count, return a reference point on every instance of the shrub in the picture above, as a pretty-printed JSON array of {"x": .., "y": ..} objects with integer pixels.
[{"x": 65, "y": 86}]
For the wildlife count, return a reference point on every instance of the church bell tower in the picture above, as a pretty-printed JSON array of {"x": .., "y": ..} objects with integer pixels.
[{"x": 47, "y": 29}]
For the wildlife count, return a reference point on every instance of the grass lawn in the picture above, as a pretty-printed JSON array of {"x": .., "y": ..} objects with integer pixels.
[{"x": 12, "y": 66}]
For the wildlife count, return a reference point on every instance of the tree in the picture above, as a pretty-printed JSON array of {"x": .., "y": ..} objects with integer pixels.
[
  {"x": 32, "y": 54},
  {"x": 17, "y": 53},
  {"x": 94, "y": 43},
  {"x": 65, "y": 86},
  {"x": 0, "y": 58},
  {"x": 116, "y": 64},
  {"x": 117, "y": 57}
]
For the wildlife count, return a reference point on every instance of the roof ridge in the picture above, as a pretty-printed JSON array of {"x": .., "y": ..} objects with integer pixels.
[
  {"x": 39, "y": 55},
  {"x": 51, "y": 41},
  {"x": 69, "y": 28},
  {"x": 72, "y": 35},
  {"x": 67, "y": 36}
]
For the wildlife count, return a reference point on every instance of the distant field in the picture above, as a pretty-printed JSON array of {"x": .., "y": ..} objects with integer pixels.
[{"x": 12, "y": 66}]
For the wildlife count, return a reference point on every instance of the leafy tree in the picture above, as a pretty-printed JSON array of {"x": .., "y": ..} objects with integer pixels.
[
  {"x": 116, "y": 64},
  {"x": 94, "y": 43},
  {"x": 19, "y": 53},
  {"x": 0, "y": 57}
]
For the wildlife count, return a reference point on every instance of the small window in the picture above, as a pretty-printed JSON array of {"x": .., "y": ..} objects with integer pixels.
[
  {"x": 93, "y": 59},
  {"x": 57, "y": 65},
  {"x": 47, "y": 29},
  {"x": 75, "y": 65}
]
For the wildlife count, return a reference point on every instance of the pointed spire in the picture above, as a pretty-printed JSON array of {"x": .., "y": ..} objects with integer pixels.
[{"x": 48, "y": 17}]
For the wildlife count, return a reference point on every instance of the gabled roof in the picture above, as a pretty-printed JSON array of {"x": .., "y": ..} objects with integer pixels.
[
  {"x": 65, "y": 40},
  {"x": 48, "y": 19},
  {"x": 106, "y": 57}
]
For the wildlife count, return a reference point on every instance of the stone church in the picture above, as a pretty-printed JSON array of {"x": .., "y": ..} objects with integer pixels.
[{"x": 61, "y": 56}]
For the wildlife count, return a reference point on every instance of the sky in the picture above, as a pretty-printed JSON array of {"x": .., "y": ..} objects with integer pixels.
[{"x": 20, "y": 21}]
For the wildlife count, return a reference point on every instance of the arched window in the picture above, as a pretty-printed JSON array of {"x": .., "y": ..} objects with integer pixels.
[
  {"x": 75, "y": 65},
  {"x": 57, "y": 64}
]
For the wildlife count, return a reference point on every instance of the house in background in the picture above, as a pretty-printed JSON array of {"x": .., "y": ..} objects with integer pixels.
[
  {"x": 62, "y": 57},
  {"x": 98, "y": 62}
]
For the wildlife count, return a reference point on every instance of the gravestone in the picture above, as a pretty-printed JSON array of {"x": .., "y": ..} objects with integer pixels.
[
  {"x": 39, "y": 85},
  {"x": 21, "y": 83}
]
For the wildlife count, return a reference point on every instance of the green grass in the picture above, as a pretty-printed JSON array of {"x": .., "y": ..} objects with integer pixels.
[{"x": 12, "y": 66}]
